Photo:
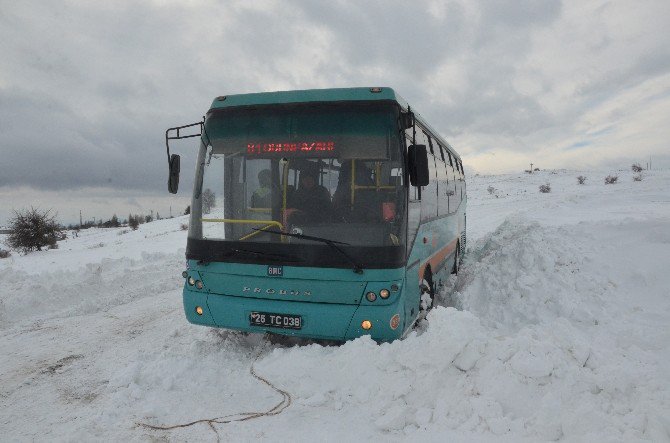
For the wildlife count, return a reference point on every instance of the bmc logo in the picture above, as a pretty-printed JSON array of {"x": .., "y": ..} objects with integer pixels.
[{"x": 275, "y": 271}]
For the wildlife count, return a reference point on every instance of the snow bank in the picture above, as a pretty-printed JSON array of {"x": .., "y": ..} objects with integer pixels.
[
  {"x": 91, "y": 288},
  {"x": 93, "y": 271},
  {"x": 524, "y": 274},
  {"x": 560, "y": 331}
]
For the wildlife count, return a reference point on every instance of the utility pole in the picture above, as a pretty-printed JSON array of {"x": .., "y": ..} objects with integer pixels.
[
  {"x": 531, "y": 168},
  {"x": 80, "y": 220}
]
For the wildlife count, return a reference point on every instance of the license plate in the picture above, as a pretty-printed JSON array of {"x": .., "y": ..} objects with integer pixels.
[{"x": 285, "y": 321}]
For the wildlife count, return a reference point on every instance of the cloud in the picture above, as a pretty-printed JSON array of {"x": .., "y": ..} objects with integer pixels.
[{"x": 88, "y": 89}]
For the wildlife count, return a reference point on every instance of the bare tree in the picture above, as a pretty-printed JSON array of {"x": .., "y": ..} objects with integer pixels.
[
  {"x": 208, "y": 201},
  {"x": 33, "y": 230}
]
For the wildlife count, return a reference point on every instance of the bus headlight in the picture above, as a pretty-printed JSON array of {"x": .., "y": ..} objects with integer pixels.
[
  {"x": 198, "y": 284},
  {"x": 384, "y": 293},
  {"x": 184, "y": 274},
  {"x": 191, "y": 281},
  {"x": 366, "y": 324},
  {"x": 198, "y": 310},
  {"x": 371, "y": 296}
]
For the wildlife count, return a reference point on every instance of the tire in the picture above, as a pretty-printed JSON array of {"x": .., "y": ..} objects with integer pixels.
[
  {"x": 427, "y": 287},
  {"x": 457, "y": 259}
]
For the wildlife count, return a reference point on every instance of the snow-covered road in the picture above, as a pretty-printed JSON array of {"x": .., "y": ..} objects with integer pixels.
[{"x": 558, "y": 328}]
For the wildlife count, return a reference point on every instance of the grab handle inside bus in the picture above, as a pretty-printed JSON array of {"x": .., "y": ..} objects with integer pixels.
[{"x": 417, "y": 159}]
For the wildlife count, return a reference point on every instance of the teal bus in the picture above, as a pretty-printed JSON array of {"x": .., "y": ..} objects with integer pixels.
[{"x": 325, "y": 214}]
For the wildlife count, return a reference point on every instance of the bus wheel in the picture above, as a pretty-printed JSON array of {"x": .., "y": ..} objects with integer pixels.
[
  {"x": 457, "y": 259},
  {"x": 427, "y": 288}
]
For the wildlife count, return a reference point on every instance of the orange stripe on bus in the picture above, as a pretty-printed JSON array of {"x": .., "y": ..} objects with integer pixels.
[{"x": 437, "y": 257}]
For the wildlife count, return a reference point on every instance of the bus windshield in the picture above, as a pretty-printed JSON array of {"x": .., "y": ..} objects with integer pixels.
[{"x": 330, "y": 171}]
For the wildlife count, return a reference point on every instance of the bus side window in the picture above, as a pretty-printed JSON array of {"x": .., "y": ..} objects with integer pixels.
[
  {"x": 442, "y": 184},
  {"x": 430, "y": 142},
  {"x": 428, "y": 193},
  {"x": 454, "y": 193},
  {"x": 460, "y": 164}
]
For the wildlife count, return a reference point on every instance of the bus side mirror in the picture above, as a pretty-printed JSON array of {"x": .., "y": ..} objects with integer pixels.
[
  {"x": 417, "y": 158},
  {"x": 173, "y": 180}
]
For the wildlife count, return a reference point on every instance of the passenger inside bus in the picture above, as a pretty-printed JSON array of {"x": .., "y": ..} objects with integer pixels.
[
  {"x": 311, "y": 200},
  {"x": 262, "y": 197}
]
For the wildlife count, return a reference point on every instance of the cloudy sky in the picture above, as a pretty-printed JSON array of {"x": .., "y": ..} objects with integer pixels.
[{"x": 87, "y": 89}]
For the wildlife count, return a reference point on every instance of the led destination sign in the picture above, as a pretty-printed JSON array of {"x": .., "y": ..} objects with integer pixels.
[{"x": 315, "y": 147}]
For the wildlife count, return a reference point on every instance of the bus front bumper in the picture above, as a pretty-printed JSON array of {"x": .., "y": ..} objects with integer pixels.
[{"x": 328, "y": 321}]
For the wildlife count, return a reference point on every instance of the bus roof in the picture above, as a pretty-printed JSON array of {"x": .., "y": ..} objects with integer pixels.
[
  {"x": 307, "y": 96},
  {"x": 320, "y": 96}
]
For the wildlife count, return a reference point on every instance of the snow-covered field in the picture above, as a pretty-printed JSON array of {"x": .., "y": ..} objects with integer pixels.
[{"x": 558, "y": 328}]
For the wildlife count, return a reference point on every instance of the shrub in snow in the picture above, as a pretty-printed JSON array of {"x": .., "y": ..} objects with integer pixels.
[
  {"x": 184, "y": 226},
  {"x": 187, "y": 211},
  {"x": 133, "y": 222},
  {"x": 636, "y": 167},
  {"x": 491, "y": 189},
  {"x": 33, "y": 229},
  {"x": 611, "y": 179},
  {"x": 4, "y": 254},
  {"x": 112, "y": 223},
  {"x": 637, "y": 177},
  {"x": 546, "y": 188},
  {"x": 581, "y": 179}
]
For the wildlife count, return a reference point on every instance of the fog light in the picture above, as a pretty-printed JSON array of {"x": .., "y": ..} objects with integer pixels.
[
  {"x": 371, "y": 296},
  {"x": 198, "y": 284},
  {"x": 384, "y": 293},
  {"x": 395, "y": 322},
  {"x": 198, "y": 310},
  {"x": 184, "y": 274},
  {"x": 366, "y": 325},
  {"x": 191, "y": 281},
  {"x": 394, "y": 287}
]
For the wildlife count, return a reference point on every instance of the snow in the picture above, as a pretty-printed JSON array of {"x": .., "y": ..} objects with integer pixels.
[{"x": 556, "y": 329}]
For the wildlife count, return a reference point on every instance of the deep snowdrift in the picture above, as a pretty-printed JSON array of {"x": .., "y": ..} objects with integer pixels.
[{"x": 557, "y": 327}]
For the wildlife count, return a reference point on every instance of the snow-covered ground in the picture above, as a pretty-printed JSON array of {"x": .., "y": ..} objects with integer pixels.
[{"x": 558, "y": 328}]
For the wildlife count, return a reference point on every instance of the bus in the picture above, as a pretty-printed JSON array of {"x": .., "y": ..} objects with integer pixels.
[{"x": 325, "y": 214}]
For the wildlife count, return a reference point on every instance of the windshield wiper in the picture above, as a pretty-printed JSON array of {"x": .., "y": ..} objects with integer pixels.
[{"x": 332, "y": 243}]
